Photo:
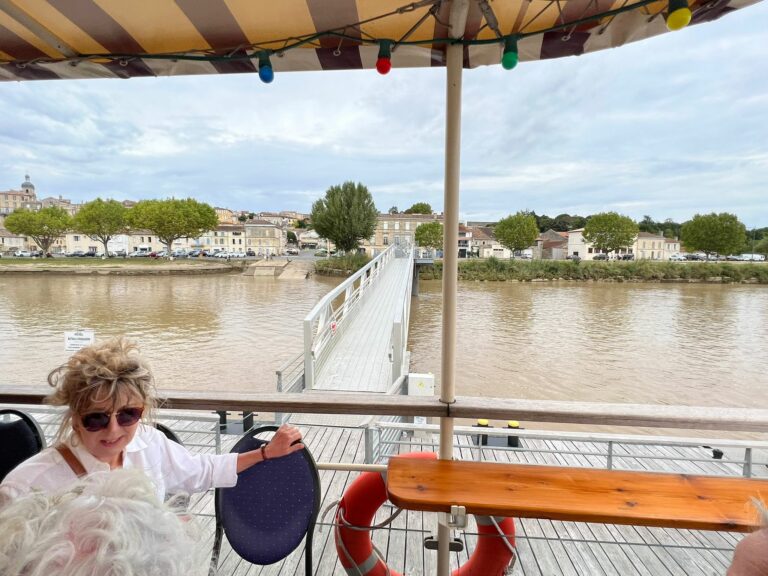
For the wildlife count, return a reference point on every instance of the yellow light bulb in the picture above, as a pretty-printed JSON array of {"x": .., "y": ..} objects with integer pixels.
[{"x": 679, "y": 19}]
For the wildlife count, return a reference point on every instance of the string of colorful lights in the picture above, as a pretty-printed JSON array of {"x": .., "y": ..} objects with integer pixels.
[{"x": 678, "y": 16}]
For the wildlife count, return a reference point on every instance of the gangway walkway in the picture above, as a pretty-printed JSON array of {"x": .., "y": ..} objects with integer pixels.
[
  {"x": 355, "y": 337},
  {"x": 362, "y": 358}
]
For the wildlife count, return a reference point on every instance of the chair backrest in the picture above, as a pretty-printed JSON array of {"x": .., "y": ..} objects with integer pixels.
[
  {"x": 170, "y": 434},
  {"x": 273, "y": 506},
  {"x": 21, "y": 438}
]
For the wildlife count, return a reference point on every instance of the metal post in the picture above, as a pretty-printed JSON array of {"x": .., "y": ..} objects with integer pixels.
[
  {"x": 748, "y": 463},
  {"x": 454, "y": 64},
  {"x": 309, "y": 365},
  {"x": 397, "y": 350},
  {"x": 610, "y": 456}
]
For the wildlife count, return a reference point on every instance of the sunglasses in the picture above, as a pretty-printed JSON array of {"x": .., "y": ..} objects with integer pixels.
[{"x": 95, "y": 421}]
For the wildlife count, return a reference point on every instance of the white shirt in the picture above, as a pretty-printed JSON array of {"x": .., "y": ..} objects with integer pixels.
[{"x": 171, "y": 467}]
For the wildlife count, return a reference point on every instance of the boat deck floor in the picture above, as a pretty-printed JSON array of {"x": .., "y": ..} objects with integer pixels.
[{"x": 545, "y": 548}]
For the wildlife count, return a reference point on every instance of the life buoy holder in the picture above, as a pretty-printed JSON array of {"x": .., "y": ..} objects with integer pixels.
[{"x": 358, "y": 506}]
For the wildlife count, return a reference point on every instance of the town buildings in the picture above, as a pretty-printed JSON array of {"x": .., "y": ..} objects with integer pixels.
[{"x": 266, "y": 234}]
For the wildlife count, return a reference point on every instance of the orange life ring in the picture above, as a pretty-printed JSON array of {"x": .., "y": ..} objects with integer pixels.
[{"x": 358, "y": 507}]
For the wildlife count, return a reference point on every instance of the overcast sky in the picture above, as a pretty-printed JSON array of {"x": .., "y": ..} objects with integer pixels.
[{"x": 668, "y": 127}]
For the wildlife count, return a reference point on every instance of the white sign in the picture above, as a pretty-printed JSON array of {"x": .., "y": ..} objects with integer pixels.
[{"x": 73, "y": 341}]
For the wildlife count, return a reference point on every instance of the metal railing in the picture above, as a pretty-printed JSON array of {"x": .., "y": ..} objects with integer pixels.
[
  {"x": 401, "y": 321},
  {"x": 203, "y": 434},
  {"x": 329, "y": 316},
  {"x": 376, "y": 439},
  {"x": 386, "y": 438}
]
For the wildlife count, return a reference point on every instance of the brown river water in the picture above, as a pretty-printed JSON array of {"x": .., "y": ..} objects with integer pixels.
[{"x": 688, "y": 344}]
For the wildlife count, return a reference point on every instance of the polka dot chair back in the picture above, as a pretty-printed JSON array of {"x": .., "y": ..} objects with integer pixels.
[{"x": 272, "y": 508}]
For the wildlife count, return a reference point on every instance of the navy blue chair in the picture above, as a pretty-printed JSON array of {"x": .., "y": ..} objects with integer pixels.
[
  {"x": 168, "y": 433},
  {"x": 272, "y": 508},
  {"x": 21, "y": 438}
]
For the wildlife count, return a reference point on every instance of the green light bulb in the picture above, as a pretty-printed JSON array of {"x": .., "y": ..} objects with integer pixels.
[
  {"x": 509, "y": 60},
  {"x": 510, "y": 57}
]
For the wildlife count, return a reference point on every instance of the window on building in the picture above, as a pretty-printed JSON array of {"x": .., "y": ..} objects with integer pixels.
[
  {"x": 407, "y": 225},
  {"x": 385, "y": 241},
  {"x": 76, "y": 238},
  {"x": 397, "y": 225},
  {"x": 386, "y": 225}
]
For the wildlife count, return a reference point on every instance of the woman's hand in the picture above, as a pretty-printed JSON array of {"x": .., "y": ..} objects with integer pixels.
[{"x": 286, "y": 440}]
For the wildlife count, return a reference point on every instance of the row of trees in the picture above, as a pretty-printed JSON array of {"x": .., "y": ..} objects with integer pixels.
[
  {"x": 102, "y": 220},
  {"x": 610, "y": 231}
]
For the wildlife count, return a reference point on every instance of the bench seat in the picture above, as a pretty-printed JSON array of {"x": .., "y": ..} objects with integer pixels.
[{"x": 577, "y": 494}]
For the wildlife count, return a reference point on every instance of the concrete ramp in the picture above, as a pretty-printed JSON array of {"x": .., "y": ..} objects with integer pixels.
[
  {"x": 297, "y": 270},
  {"x": 270, "y": 268}
]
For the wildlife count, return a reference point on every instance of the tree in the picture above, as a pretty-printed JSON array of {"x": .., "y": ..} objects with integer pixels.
[
  {"x": 517, "y": 232},
  {"x": 419, "y": 208},
  {"x": 291, "y": 237},
  {"x": 242, "y": 218},
  {"x": 101, "y": 220},
  {"x": 394, "y": 210},
  {"x": 762, "y": 246},
  {"x": 609, "y": 231},
  {"x": 714, "y": 233},
  {"x": 44, "y": 226},
  {"x": 173, "y": 219},
  {"x": 647, "y": 224},
  {"x": 430, "y": 235},
  {"x": 345, "y": 216}
]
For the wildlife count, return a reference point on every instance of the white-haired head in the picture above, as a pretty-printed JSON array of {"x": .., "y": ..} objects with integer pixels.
[{"x": 108, "y": 524}]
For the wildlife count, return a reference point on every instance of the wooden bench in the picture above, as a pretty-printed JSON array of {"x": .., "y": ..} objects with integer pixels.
[{"x": 577, "y": 494}]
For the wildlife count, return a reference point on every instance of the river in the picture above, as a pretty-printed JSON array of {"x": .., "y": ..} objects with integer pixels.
[{"x": 648, "y": 343}]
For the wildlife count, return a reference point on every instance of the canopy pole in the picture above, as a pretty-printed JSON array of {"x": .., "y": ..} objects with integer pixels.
[{"x": 454, "y": 69}]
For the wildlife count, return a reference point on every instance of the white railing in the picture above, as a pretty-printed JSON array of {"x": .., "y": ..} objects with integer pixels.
[
  {"x": 384, "y": 437},
  {"x": 328, "y": 318},
  {"x": 400, "y": 325}
]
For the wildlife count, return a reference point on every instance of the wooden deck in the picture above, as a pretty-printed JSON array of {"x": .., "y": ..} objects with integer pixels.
[
  {"x": 360, "y": 360},
  {"x": 545, "y": 548}
]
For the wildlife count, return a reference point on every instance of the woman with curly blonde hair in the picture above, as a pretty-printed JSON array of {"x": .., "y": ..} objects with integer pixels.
[{"x": 108, "y": 392}]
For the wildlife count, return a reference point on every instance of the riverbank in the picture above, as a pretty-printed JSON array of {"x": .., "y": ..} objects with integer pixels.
[
  {"x": 492, "y": 269},
  {"x": 118, "y": 267}
]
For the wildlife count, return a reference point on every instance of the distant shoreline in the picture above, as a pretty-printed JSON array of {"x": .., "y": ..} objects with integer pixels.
[{"x": 109, "y": 268}]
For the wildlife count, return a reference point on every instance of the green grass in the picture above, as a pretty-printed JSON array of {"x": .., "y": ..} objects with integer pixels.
[
  {"x": 493, "y": 269},
  {"x": 341, "y": 265}
]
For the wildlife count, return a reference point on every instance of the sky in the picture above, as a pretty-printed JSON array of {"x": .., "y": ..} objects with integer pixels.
[{"x": 668, "y": 127}]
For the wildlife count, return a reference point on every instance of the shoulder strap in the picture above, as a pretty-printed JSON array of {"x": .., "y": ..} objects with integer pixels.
[{"x": 72, "y": 460}]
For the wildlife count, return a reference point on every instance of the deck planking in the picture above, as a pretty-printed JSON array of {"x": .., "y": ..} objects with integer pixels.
[{"x": 545, "y": 548}]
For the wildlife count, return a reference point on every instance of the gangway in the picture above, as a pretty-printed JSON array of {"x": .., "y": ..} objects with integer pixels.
[{"x": 355, "y": 337}]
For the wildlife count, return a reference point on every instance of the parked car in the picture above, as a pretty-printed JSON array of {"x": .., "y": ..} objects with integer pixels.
[
  {"x": 22, "y": 254},
  {"x": 194, "y": 253},
  {"x": 181, "y": 253},
  {"x": 322, "y": 253},
  {"x": 600, "y": 257},
  {"x": 677, "y": 258},
  {"x": 627, "y": 257},
  {"x": 292, "y": 251},
  {"x": 250, "y": 252},
  {"x": 89, "y": 254}
]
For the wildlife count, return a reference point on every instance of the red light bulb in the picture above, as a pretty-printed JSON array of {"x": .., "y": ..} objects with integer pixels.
[{"x": 383, "y": 65}]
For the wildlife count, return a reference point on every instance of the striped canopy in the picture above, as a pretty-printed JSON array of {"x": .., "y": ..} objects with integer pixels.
[{"x": 50, "y": 39}]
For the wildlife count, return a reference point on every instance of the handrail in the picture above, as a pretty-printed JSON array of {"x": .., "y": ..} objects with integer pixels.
[
  {"x": 323, "y": 321},
  {"x": 580, "y": 436},
  {"x": 362, "y": 403},
  {"x": 399, "y": 338}
]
